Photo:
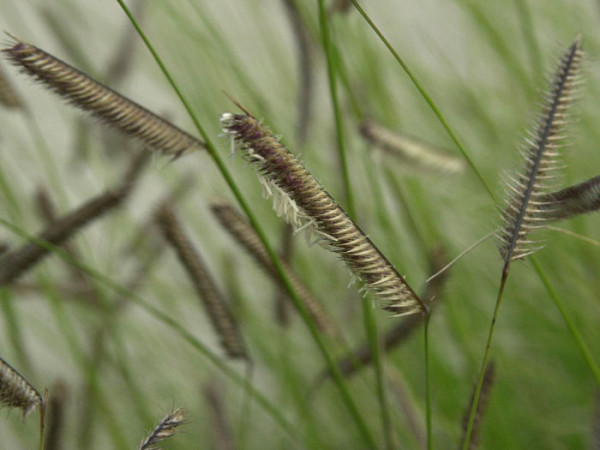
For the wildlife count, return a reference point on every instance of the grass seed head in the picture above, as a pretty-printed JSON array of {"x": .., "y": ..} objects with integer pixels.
[
  {"x": 305, "y": 204},
  {"x": 99, "y": 100},
  {"x": 527, "y": 206},
  {"x": 16, "y": 391}
]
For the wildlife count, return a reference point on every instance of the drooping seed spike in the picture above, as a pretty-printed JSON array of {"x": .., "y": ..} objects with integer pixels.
[
  {"x": 398, "y": 333},
  {"x": 100, "y": 101},
  {"x": 526, "y": 206},
  {"x": 221, "y": 317},
  {"x": 305, "y": 204},
  {"x": 415, "y": 152},
  {"x": 17, "y": 392},
  {"x": 582, "y": 198},
  {"x": 15, "y": 263},
  {"x": 167, "y": 427}
]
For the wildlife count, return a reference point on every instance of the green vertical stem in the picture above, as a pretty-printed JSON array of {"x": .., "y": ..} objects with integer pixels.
[
  {"x": 372, "y": 336},
  {"x": 581, "y": 345},
  {"x": 427, "y": 98},
  {"x": 339, "y": 126},
  {"x": 340, "y": 383},
  {"x": 486, "y": 357},
  {"x": 428, "y": 412},
  {"x": 529, "y": 37}
]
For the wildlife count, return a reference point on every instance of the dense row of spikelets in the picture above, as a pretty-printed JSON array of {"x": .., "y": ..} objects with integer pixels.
[
  {"x": 529, "y": 205},
  {"x": 305, "y": 204}
]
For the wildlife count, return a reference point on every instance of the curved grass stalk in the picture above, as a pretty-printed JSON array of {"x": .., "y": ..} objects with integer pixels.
[
  {"x": 346, "y": 397},
  {"x": 428, "y": 409},
  {"x": 581, "y": 345}
]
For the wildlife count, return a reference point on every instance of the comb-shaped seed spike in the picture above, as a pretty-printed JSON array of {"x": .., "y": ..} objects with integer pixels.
[
  {"x": 247, "y": 237},
  {"x": 362, "y": 356},
  {"x": 16, "y": 391},
  {"x": 165, "y": 429},
  {"x": 317, "y": 208},
  {"x": 222, "y": 319},
  {"x": 527, "y": 189},
  {"x": 99, "y": 100},
  {"x": 581, "y": 198}
]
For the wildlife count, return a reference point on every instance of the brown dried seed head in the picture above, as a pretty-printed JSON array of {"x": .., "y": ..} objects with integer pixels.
[
  {"x": 305, "y": 203},
  {"x": 416, "y": 153},
  {"x": 99, "y": 100},
  {"x": 17, "y": 262},
  {"x": 526, "y": 207},
  {"x": 222, "y": 319},
  {"x": 165, "y": 429},
  {"x": 581, "y": 198},
  {"x": 16, "y": 391},
  {"x": 247, "y": 237}
]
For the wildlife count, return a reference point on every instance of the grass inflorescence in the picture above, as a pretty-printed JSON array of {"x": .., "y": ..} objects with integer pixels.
[{"x": 397, "y": 124}]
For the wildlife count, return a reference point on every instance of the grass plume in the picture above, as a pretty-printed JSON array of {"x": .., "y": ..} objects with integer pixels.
[
  {"x": 526, "y": 190},
  {"x": 17, "y": 392},
  {"x": 102, "y": 102},
  {"x": 305, "y": 203},
  {"x": 582, "y": 198},
  {"x": 218, "y": 311},
  {"x": 167, "y": 427},
  {"x": 415, "y": 152},
  {"x": 243, "y": 233},
  {"x": 398, "y": 333}
]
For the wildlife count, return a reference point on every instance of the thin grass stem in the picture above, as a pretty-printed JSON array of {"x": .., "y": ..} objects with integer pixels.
[
  {"x": 428, "y": 398},
  {"x": 581, "y": 345},
  {"x": 427, "y": 98},
  {"x": 484, "y": 362},
  {"x": 370, "y": 324},
  {"x": 339, "y": 124}
]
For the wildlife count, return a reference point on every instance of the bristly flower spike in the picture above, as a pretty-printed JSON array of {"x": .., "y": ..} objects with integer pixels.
[
  {"x": 305, "y": 204},
  {"x": 165, "y": 429},
  {"x": 527, "y": 206},
  {"x": 100, "y": 101},
  {"x": 16, "y": 391}
]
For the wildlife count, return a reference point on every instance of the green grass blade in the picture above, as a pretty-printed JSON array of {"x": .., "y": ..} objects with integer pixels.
[
  {"x": 427, "y": 98},
  {"x": 339, "y": 125}
]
